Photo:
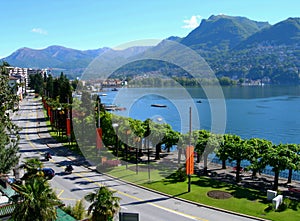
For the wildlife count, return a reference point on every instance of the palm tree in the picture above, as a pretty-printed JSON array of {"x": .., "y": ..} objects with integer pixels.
[
  {"x": 37, "y": 201},
  {"x": 104, "y": 205}
]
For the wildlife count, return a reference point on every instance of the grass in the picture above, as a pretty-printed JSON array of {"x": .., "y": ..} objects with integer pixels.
[{"x": 246, "y": 201}]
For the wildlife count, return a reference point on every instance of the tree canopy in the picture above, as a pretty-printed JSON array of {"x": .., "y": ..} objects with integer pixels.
[{"x": 9, "y": 137}]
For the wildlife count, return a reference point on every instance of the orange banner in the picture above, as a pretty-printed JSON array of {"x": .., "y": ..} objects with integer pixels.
[
  {"x": 99, "y": 138},
  {"x": 190, "y": 160},
  {"x": 68, "y": 127}
]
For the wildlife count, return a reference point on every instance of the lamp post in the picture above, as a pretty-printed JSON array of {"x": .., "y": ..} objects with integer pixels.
[
  {"x": 128, "y": 132},
  {"x": 58, "y": 121},
  {"x": 98, "y": 129},
  {"x": 116, "y": 126}
]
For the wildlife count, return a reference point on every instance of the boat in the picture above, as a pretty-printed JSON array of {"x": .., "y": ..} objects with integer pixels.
[
  {"x": 158, "y": 105},
  {"x": 103, "y": 94},
  {"x": 113, "y": 107},
  {"x": 114, "y": 89},
  {"x": 199, "y": 101}
]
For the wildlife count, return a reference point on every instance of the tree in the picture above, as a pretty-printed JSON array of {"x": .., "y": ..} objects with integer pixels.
[
  {"x": 65, "y": 89},
  {"x": 158, "y": 132},
  {"x": 292, "y": 153},
  {"x": 77, "y": 211},
  {"x": 223, "y": 151},
  {"x": 104, "y": 205},
  {"x": 202, "y": 148},
  {"x": 37, "y": 83},
  {"x": 260, "y": 147},
  {"x": 31, "y": 166},
  {"x": 37, "y": 201},
  {"x": 238, "y": 150},
  {"x": 171, "y": 138},
  {"x": 183, "y": 142},
  {"x": 49, "y": 86},
  {"x": 277, "y": 157},
  {"x": 9, "y": 137}
]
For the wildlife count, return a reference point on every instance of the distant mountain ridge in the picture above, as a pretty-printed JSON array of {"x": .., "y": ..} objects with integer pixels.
[
  {"x": 222, "y": 32},
  {"x": 53, "y": 56},
  {"x": 286, "y": 32},
  {"x": 234, "y": 46}
]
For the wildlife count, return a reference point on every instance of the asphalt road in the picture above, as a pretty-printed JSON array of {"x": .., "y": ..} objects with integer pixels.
[{"x": 150, "y": 206}]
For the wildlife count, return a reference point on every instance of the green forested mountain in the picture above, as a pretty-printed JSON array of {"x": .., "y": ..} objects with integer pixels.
[
  {"x": 286, "y": 33},
  {"x": 222, "y": 32},
  {"x": 235, "y": 47}
]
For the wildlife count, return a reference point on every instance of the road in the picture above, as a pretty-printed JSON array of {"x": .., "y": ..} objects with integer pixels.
[{"x": 151, "y": 206}]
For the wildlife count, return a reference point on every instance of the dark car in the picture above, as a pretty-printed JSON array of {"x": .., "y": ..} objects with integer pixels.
[{"x": 49, "y": 173}]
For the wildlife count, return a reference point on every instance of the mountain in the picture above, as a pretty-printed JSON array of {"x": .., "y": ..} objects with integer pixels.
[
  {"x": 53, "y": 56},
  {"x": 286, "y": 32},
  {"x": 234, "y": 47},
  {"x": 222, "y": 32}
]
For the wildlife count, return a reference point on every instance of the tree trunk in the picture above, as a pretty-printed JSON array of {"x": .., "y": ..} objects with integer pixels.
[
  {"x": 254, "y": 172},
  {"x": 157, "y": 151},
  {"x": 198, "y": 157},
  {"x": 168, "y": 149},
  {"x": 276, "y": 177},
  {"x": 238, "y": 168},
  {"x": 290, "y": 175},
  {"x": 205, "y": 156},
  {"x": 179, "y": 155},
  {"x": 141, "y": 147},
  {"x": 223, "y": 164}
]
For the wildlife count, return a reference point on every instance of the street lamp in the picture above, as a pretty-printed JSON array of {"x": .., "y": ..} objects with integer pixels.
[
  {"x": 128, "y": 132},
  {"x": 116, "y": 127}
]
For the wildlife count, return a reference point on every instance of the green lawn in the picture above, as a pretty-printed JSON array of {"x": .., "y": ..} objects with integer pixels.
[{"x": 244, "y": 200}]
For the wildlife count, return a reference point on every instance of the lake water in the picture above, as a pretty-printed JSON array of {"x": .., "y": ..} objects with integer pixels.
[{"x": 269, "y": 112}]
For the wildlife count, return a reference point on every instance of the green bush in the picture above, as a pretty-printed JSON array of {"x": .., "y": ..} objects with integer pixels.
[
  {"x": 180, "y": 175},
  {"x": 77, "y": 211}
]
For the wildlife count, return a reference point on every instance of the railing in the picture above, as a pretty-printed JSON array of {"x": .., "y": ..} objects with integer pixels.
[{"x": 267, "y": 171}]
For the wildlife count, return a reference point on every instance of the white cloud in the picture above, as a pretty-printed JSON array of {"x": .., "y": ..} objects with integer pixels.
[
  {"x": 192, "y": 23},
  {"x": 39, "y": 31}
]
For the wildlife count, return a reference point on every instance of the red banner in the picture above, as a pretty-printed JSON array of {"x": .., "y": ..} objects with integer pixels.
[
  {"x": 48, "y": 111},
  {"x": 190, "y": 160},
  {"x": 68, "y": 127},
  {"x": 99, "y": 138}
]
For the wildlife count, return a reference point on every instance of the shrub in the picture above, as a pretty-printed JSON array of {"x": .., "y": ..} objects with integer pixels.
[
  {"x": 180, "y": 175},
  {"x": 77, "y": 211}
]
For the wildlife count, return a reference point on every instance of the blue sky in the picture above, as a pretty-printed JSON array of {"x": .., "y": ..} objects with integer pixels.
[{"x": 91, "y": 24}]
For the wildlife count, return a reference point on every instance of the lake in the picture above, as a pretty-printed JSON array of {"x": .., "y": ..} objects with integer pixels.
[{"x": 269, "y": 112}]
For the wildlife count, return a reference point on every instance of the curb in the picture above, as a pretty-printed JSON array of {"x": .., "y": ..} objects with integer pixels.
[{"x": 184, "y": 200}]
